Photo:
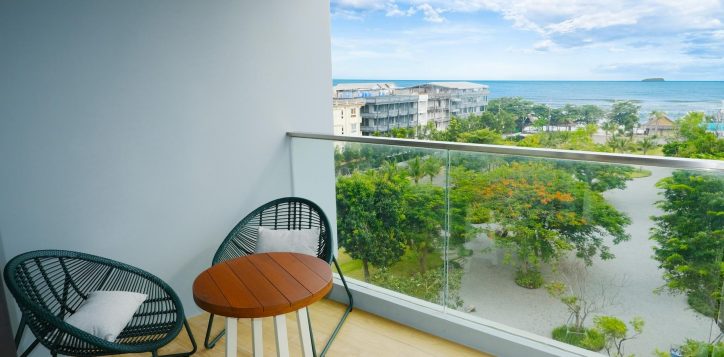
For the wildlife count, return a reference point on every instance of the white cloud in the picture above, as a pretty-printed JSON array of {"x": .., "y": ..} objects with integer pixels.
[
  {"x": 544, "y": 45},
  {"x": 431, "y": 14}
]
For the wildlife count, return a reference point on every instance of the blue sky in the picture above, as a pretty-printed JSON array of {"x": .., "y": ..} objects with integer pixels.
[{"x": 528, "y": 39}]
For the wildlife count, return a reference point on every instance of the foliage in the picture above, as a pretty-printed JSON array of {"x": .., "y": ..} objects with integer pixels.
[
  {"x": 589, "y": 339},
  {"x": 579, "y": 139},
  {"x": 431, "y": 167},
  {"x": 619, "y": 144},
  {"x": 694, "y": 141},
  {"x": 463, "y": 210},
  {"x": 481, "y": 136},
  {"x": 694, "y": 348},
  {"x": 530, "y": 278},
  {"x": 427, "y": 285},
  {"x": 702, "y": 303},
  {"x": 690, "y": 234},
  {"x": 370, "y": 212},
  {"x": 424, "y": 217},
  {"x": 599, "y": 177},
  {"x": 543, "y": 212},
  {"x": 615, "y": 332},
  {"x": 414, "y": 168},
  {"x": 625, "y": 114},
  {"x": 648, "y": 143}
]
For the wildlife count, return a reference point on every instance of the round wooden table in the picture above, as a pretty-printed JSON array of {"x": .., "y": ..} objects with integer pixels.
[{"x": 262, "y": 285}]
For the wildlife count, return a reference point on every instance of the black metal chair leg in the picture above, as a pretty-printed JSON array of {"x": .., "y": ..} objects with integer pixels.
[
  {"x": 210, "y": 344},
  {"x": 183, "y": 354},
  {"x": 19, "y": 334},
  {"x": 346, "y": 312},
  {"x": 30, "y": 348}
]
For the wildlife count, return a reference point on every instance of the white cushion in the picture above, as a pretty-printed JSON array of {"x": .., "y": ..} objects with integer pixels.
[
  {"x": 304, "y": 241},
  {"x": 106, "y": 313}
]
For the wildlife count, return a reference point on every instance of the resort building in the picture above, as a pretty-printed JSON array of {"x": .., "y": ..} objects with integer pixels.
[
  {"x": 347, "y": 116},
  {"x": 383, "y": 113},
  {"x": 386, "y": 107},
  {"x": 451, "y": 99},
  {"x": 382, "y": 108},
  {"x": 658, "y": 124}
]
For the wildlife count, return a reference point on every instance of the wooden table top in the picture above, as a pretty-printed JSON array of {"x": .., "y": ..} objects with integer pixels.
[{"x": 261, "y": 285}]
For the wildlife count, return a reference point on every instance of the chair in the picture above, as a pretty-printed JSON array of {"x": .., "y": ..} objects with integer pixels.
[
  {"x": 49, "y": 285},
  {"x": 283, "y": 213}
]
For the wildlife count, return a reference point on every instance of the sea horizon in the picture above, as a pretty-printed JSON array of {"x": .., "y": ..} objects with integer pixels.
[{"x": 675, "y": 98}]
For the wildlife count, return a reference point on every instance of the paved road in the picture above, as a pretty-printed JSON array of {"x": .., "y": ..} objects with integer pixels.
[{"x": 488, "y": 283}]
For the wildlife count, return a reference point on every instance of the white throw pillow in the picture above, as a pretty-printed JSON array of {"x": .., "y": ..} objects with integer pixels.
[
  {"x": 282, "y": 240},
  {"x": 106, "y": 313}
]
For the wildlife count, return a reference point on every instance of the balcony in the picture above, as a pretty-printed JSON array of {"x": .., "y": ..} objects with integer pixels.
[
  {"x": 479, "y": 200},
  {"x": 364, "y": 334}
]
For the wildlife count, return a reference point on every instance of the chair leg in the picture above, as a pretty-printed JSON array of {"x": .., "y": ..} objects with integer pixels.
[
  {"x": 210, "y": 344},
  {"x": 30, "y": 348},
  {"x": 182, "y": 354},
  {"x": 346, "y": 312},
  {"x": 19, "y": 334}
]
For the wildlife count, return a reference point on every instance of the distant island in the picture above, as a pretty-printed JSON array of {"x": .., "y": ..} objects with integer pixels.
[{"x": 658, "y": 79}]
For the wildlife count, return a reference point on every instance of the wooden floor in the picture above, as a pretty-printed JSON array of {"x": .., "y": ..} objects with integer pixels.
[{"x": 363, "y": 334}]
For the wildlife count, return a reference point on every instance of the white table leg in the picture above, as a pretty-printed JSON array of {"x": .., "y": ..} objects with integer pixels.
[
  {"x": 280, "y": 330},
  {"x": 231, "y": 337},
  {"x": 257, "y": 341},
  {"x": 304, "y": 335}
]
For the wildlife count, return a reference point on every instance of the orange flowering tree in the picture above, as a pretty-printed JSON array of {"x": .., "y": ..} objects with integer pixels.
[{"x": 540, "y": 213}]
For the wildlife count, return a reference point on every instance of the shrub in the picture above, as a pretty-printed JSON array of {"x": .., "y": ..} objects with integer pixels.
[
  {"x": 589, "y": 339},
  {"x": 531, "y": 279}
]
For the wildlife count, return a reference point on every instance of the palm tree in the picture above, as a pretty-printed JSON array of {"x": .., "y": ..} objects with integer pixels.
[
  {"x": 414, "y": 167},
  {"x": 648, "y": 143},
  {"x": 431, "y": 167},
  {"x": 618, "y": 143},
  {"x": 608, "y": 127}
]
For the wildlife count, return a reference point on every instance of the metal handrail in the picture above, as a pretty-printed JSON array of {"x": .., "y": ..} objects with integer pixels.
[{"x": 661, "y": 161}]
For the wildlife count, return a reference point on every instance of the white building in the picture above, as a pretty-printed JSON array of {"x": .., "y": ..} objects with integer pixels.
[
  {"x": 347, "y": 115},
  {"x": 450, "y": 99}
]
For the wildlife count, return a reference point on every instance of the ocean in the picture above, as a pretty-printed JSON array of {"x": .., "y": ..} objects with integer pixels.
[{"x": 675, "y": 98}]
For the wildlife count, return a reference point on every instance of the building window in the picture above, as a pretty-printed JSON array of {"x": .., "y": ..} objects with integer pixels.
[
  {"x": 354, "y": 128},
  {"x": 354, "y": 112}
]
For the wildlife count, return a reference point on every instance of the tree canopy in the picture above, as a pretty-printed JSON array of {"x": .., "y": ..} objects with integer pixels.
[{"x": 690, "y": 234}]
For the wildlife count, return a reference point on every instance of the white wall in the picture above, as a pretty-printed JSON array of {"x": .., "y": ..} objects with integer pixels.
[{"x": 144, "y": 130}]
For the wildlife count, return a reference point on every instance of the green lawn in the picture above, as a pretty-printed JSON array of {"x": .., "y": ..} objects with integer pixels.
[
  {"x": 407, "y": 266},
  {"x": 639, "y": 173}
]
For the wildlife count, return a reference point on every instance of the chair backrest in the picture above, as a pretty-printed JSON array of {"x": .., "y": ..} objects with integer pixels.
[{"x": 283, "y": 213}]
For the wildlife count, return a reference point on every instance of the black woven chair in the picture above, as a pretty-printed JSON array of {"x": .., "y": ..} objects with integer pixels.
[
  {"x": 283, "y": 213},
  {"x": 49, "y": 285}
]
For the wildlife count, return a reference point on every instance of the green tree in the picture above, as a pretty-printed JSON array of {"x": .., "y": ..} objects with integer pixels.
[
  {"x": 599, "y": 177},
  {"x": 694, "y": 141},
  {"x": 424, "y": 217},
  {"x": 481, "y": 136},
  {"x": 619, "y": 143},
  {"x": 589, "y": 114},
  {"x": 615, "y": 332},
  {"x": 626, "y": 114},
  {"x": 648, "y": 143},
  {"x": 543, "y": 212},
  {"x": 415, "y": 169},
  {"x": 690, "y": 235},
  {"x": 431, "y": 167},
  {"x": 454, "y": 128},
  {"x": 370, "y": 210},
  {"x": 518, "y": 107},
  {"x": 609, "y": 127}
]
